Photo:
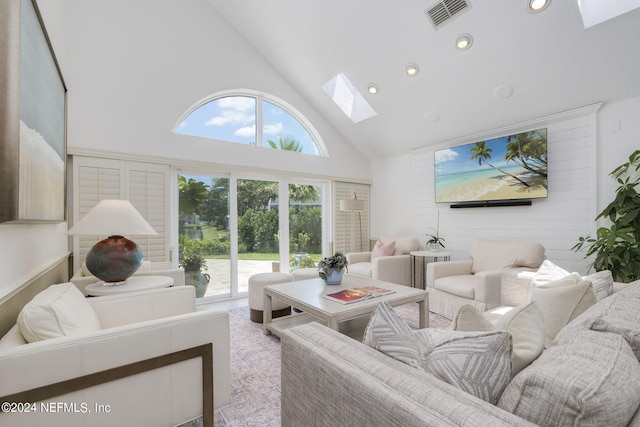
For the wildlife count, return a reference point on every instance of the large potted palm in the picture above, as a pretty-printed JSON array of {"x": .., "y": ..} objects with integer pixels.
[{"x": 617, "y": 248}]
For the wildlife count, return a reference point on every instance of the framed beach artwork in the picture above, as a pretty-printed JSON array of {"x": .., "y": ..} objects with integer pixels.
[
  {"x": 32, "y": 120},
  {"x": 512, "y": 167}
]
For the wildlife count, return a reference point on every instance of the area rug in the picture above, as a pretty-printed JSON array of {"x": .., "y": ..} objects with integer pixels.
[{"x": 255, "y": 370}]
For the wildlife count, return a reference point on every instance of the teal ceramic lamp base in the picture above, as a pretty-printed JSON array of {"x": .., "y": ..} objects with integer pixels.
[{"x": 114, "y": 259}]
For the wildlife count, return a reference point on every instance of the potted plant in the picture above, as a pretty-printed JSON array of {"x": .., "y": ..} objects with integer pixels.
[
  {"x": 435, "y": 241},
  {"x": 193, "y": 261},
  {"x": 331, "y": 268},
  {"x": 616, "y": 248}
]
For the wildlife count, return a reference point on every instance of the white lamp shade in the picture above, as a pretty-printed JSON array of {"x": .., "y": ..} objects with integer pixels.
[
  {"x": 113, "y": 218},
  {"x": 352, "y": 205}
]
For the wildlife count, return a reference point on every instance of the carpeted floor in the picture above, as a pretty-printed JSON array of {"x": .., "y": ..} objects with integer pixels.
[{"x": 255, "y": 370}]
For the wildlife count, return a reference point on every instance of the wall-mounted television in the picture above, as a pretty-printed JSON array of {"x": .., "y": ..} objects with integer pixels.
[{"x": 512, "y": 167}]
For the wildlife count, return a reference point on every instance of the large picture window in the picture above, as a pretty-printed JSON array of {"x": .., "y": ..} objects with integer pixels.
[{"x": 251, "y": 119}]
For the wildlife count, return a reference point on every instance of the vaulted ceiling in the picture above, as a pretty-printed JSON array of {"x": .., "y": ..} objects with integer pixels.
[{"x": 521, "y": 65}]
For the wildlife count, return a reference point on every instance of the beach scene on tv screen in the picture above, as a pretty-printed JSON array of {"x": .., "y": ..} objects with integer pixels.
[{"x": 505, "y": 168}]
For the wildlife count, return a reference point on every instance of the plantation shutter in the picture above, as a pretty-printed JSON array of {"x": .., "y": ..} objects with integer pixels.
[
  {"x": 148, "y": 193},
  {"x": 144, "y": 185},
  {"x": 351, "y": 229}
]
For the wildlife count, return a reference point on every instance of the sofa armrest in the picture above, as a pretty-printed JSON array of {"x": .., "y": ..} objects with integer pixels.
[
  {"x": 356, "y": 257},
  {"x": 173, "y": 394},
  {"x": 330, "y": 379},
  {"x": 488, "y": 288},
  {"x": 123, "y": 309},
  {"x": 393, "y": 268},
  {"x": 436, "y": 270}
]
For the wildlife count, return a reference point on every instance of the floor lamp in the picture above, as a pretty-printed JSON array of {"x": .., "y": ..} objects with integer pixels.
[{"x": 353, "y": 205}]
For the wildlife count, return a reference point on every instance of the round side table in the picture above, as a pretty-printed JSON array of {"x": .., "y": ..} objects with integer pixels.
[
  {"x": 134, "y": 283},
  {"x": 424, "y": 255}
]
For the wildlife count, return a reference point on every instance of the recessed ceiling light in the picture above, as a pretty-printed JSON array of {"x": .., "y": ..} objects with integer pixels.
[
  {"x": 538, "y": 5},
  {"x": 431, "y": 117},
  {"x": 372, "y": 88},
  {"x": 412, "y": 70},
  {"x": 464, "y": 41}
]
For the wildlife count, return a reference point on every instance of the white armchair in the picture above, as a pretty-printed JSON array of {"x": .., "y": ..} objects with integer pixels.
[
  {"x": 389, "y": 268},
  {"x": 148, "y": 364},
  {"x": 477, "y": 281}
]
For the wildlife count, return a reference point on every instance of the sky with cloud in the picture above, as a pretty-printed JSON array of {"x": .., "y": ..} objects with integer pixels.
[{"x": 233, "y": 119}]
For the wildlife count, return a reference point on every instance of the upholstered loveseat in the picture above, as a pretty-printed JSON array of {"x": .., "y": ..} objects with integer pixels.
[
  {"x": 476, "y": 281},
  {"x": 590, "y": 375},
  {"x": 84, "y": 354},
  {"x": 391, "y": 267}
]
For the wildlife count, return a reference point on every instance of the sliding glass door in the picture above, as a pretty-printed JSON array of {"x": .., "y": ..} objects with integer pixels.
[
  {"x": 258, "y": 229},
  {"x": 245, "y": 226}
]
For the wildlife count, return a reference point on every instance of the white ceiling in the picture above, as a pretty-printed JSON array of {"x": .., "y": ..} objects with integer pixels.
[{"x": 549, "y": 59}]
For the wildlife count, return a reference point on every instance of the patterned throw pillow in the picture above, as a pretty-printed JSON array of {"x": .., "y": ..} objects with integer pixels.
[
  {"x": 476, "y": 362},
  {"x": 525, "y": 323},
  {"x": 388, "y": 333}
]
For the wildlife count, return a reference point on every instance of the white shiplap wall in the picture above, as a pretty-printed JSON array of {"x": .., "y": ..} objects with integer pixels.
[{"x": 556, "y": 222}]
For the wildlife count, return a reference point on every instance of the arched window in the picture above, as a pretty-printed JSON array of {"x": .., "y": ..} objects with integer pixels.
[{"x": 252, "y": 119}]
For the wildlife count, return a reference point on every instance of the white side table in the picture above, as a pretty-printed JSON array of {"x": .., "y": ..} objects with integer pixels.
[
  {"x": 433, "y": 256},
  {"x": 134, "y": 283}
]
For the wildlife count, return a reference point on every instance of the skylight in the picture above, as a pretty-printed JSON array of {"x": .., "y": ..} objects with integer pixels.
[
  {"x": 348, "y": 98},
  {"x": 596, "y": 11}
]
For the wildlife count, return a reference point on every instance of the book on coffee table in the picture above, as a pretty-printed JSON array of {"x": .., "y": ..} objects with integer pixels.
[{"x": 348, "y": 296}]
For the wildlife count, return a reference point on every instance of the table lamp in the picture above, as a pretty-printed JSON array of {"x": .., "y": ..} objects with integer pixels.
[{"x": 115, "y": 258}]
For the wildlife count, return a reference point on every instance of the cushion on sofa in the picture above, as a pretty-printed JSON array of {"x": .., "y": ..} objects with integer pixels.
[
  {"x": 389, "y": 333},
  {"x": 592, "y": 379},
  {"x": 476, "y": 362},
  {"x": 381, "y": 249},
  {"x": 361, "y": 269},
  {"x": 60, "y": 310},
  {"x": 561, "y": 301},
  {"x": 602, "y": 282},
  {"x": 525, "y": 323},
  {"x": 404, "y": 245},
  {"x": 613, "y": 307},
  {"x": 462, "y": 286},
  {"x": 490, "y": 255}
]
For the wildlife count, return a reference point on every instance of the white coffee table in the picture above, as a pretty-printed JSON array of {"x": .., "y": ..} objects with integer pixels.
[
  {"x": 134, "y": 283},
  {"x": 307, "y": 295}
]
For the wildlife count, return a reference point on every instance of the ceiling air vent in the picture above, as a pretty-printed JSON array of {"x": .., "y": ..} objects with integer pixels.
[{"x": 443, "y": 12}]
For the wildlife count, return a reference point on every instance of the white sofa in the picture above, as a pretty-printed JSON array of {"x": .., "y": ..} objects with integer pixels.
[
  {"x": 477, "y": 281},
  {"x": 142, "y": 326},
  {"x": 391, "y": 268},
  {"x": 329, "y": 379},
  {"x": 83, "y": 277}
]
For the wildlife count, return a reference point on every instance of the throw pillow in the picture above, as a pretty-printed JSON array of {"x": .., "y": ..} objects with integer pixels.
[
  {"x": 476, "y": 362},
  {"x": 593, "y": 379},
  {"x": 380, "y": 249},
  {"x": 525, "y": 323},
  {"x": 602, "y": 282},
  {"x": 389, "y": 333},
  {"x": 561, "y": 301},
  {"x": 60, "y": 310},
  {"x": 548, "y": 272}
]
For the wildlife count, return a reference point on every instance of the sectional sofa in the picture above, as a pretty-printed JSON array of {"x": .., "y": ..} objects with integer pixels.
[{"x": 589, "y": 375}]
